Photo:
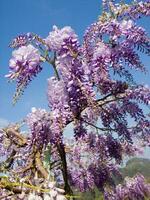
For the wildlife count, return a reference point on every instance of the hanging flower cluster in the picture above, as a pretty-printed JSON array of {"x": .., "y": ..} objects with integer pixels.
[
  {"x": 39, "y": 122},
  {"x": 134, "y": 188},
  {"x": 24, "y": 65}
]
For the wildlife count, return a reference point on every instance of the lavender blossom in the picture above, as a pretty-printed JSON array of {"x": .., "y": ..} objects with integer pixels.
[
  {"x": 24, "y": 65},
  {"x": 58, "y": 102},
  {"x": 134, "y": 188},
  {"x": 39, "y": 122},
  {"x": 22, "y": 40},
  {"x": 56, "y": 38}
]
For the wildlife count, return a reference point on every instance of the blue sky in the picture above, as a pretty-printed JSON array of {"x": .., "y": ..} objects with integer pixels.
[{"x": 38, "y": 16}]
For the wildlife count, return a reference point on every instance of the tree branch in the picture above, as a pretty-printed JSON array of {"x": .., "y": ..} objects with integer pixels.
[{"x": 99, "y": 128}]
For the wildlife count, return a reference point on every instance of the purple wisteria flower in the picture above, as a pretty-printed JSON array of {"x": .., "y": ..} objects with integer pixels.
[
  {"x": 60, "y": 109},
  {"x": 134, "y": 188},
  {"x": 25, "y": 61},
  {"x": 88, "y": 161},
  {"x": 55, "y": 39},
  {"x": 39, "y": 122},
  {"x": 24, "y": 65},
  {"x": 125, "y": 26},
  {"x": 77, "y": 88},
  {"x": 22, "y": 40}
]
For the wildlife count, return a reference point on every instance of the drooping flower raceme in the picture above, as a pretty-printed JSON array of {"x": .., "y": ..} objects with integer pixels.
[
  {"x": 39, "y": 122},
  {"x": 78, "y": 89},
  {"x": 24, "y": 65},
  {"x": 22, "y": 40},
  {"x": 88, "y": 161},
  {"x": 56, "y": 38},
  {"x": 60, "y": 110},
  {"x": 134, "y": 188}
]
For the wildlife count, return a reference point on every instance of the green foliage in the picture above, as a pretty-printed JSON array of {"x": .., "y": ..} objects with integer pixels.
[
  {"x": 91, "y": 195},
  {"x": 137, "y": 165}
]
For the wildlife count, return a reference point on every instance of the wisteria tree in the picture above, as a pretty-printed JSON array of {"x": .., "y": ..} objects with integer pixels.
[{"x": 94, "y": 90}]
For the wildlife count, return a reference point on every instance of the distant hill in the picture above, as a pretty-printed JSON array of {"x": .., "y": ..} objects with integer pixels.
[{"x": 137, "y": 165}]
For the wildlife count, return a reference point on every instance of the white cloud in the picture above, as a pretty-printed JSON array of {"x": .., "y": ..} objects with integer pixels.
[{"x": 3, "y": 122}]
